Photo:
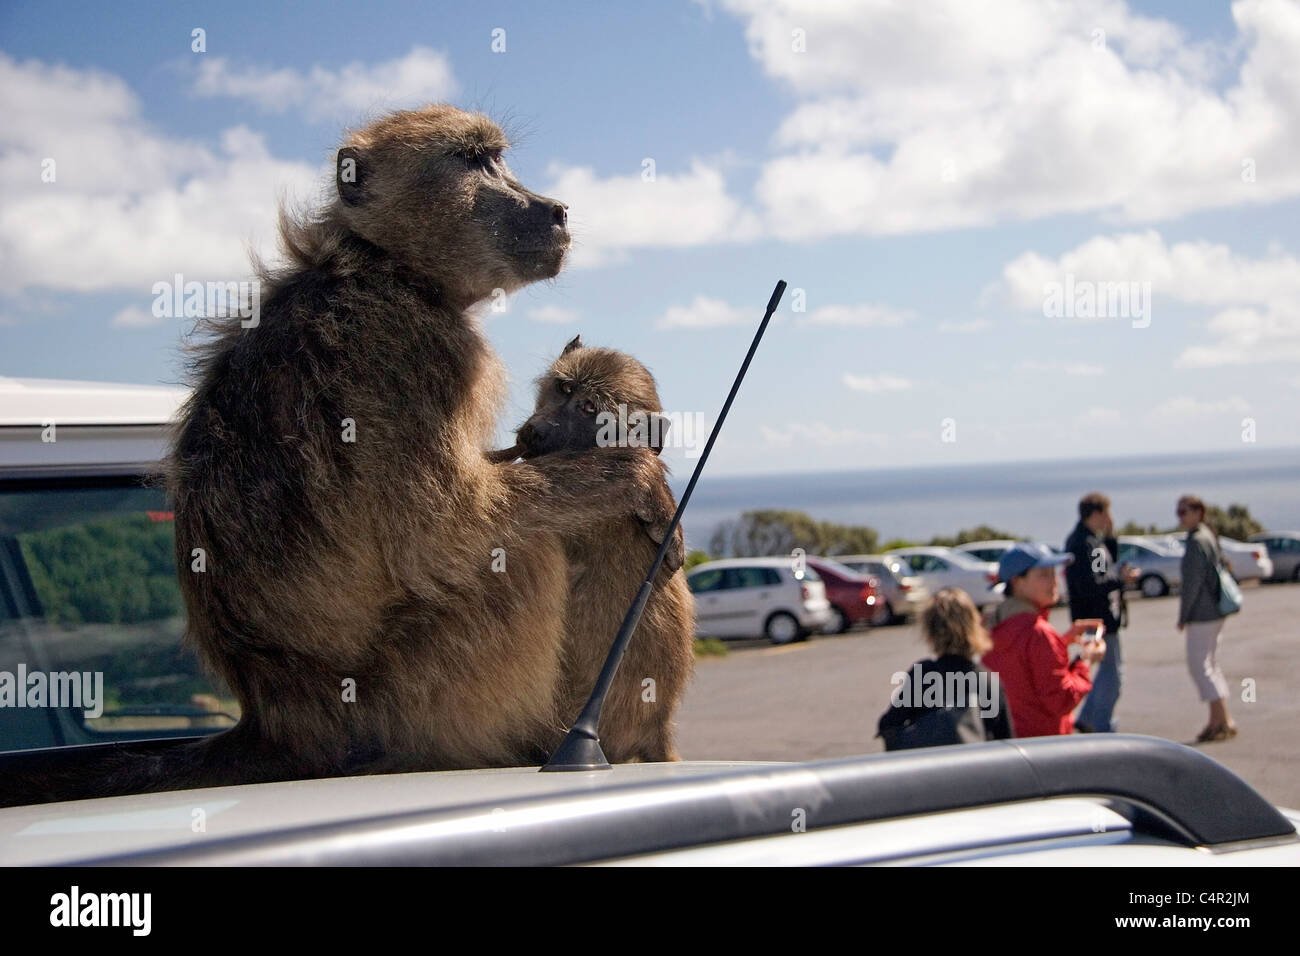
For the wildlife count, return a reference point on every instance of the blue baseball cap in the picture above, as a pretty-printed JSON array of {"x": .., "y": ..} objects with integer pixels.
[{"x": 1021, "y": 557}]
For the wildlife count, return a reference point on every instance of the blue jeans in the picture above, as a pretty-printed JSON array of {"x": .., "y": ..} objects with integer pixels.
[{"x": 1099, "y": 706}]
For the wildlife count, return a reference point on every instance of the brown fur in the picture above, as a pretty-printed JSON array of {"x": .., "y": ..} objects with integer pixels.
[
  {"x": 608, "y": 561},
  {"x": 372, "y": 560}
]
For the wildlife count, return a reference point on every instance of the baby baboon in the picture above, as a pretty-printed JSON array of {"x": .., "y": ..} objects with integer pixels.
[
  {"x": 377, "y": 593},
  {"x": 609, "y": 559}
]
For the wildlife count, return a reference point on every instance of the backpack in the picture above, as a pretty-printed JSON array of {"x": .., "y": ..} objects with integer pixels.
[{"x": 936, "y": 727}]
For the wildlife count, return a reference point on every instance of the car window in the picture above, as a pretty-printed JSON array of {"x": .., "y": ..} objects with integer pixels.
[
  {"x": 710, "y": 580},
  {"x": 92, "y": 617},
  {"x": 753, "y": 577}
]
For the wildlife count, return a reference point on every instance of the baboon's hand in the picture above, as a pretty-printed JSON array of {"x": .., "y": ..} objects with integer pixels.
[{"x": 655, "y": 512}]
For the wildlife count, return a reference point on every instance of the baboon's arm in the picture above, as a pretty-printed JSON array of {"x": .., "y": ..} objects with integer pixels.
[
  {"x": 504, "y": 455},
  {"x": 565, "y": 492}
]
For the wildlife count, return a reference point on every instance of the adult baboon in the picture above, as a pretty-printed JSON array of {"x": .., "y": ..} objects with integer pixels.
[
  {"x": 609, "y": 559},
  {"x": 376, "y": 592}
]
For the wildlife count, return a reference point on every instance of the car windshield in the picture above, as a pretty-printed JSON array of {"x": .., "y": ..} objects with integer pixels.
[{"x": 91, "y": 621}]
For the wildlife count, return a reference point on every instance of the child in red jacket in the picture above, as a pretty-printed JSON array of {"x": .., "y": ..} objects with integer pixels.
[{"x": 1030, "y": 656}]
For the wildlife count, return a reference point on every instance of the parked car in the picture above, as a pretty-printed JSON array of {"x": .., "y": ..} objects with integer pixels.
[
  {"x": 758, "y": 597},
  {"x": 1159, "y": 563},
  {"x": 992, "y": 552},
  {"x": 87, "y": 572},
  {"x": 1248, "y": 561},
  {"x": 854, "y": 597},
  {"x": 949, "y": 568},
  {"x": 1100, "y": 800},
  {"x": 1283, "y": 551},
  {"x": 1105, "y": 799},
  {"x": 903, "y": 594}
]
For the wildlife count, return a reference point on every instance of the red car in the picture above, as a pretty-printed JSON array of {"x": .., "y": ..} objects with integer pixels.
[{"x": 854, "y": 597}]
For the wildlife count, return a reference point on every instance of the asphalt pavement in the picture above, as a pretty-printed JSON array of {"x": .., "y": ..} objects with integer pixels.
[{"x": 822, "y": 698}]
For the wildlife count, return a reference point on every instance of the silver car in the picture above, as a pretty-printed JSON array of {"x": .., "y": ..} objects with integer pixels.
[
  {"x": 905, "y": 594},
  {"x": 1159, "y": 562},
  {"x": 1284, "y": 550},
  {"x": 752, "y": 597}
]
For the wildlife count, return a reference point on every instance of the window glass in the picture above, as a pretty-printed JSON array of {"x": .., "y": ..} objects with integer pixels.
[
  {"x": 91, "y": 620},
  {"x": 710, "y": 580},
  {"x": 749, "y": 577}
]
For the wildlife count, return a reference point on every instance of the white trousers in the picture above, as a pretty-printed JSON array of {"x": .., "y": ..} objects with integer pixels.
[{"x": 1202, "y": 659}]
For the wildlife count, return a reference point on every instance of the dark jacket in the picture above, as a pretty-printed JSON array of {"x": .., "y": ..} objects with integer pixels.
[
  {"x": 934, "y": 718},
  {"x": 1199, "y": 596},
  {"x": 1092, "y": 576}
]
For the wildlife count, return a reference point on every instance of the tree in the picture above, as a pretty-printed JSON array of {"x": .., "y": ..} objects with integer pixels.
[
  {"x": 967, "y": 535},
  {"x": 1236, "y": 522},
  {"x": 766, "y": 533}
]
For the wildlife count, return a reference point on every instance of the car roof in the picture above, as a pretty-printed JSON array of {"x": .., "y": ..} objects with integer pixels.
[
  {"x": 777, "y": 562},
  {"x": 58, "y": 832},
  {"x": 995, "y": 543},
  {"x": 1275, "y": 534},
  {"x": 37, "y": 401},
  {"x": 518, "y": 816}
]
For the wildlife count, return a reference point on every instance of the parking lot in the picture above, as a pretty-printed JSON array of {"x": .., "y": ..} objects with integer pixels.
[{"x": 822, "y": 698}]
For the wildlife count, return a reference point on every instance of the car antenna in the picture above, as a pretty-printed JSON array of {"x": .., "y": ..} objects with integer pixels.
[{"x": 581, "y": 747}]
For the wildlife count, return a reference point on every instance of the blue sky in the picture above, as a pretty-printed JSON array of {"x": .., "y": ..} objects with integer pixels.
[{"x": 922, "y": 177}]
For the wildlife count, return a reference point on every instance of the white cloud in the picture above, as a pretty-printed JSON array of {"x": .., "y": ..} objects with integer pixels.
[
  {"x": 1258, "y": 299},
  {"x": 554, "y": 314},
  {"x": 1098, "y": 418},
  {"x": 857, "y": 315},
  {"x": 876, "y": 383},
  {"x": 923, "y": 117},
  {"x": 609, "y": 217},
  {"x": 704, "y": 313},
  {"x": 1073, "y": 369},
  {"x": 129, "y": 205},
  {"x": 965, "y": 327},
  {"x": 134, "y": 317},
  {"x": 818, "y": 434},
  {"x": 1186, "y": 410},
  {"x": 421, "y": 76}
]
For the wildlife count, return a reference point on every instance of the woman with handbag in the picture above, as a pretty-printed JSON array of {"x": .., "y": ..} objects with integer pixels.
[{"x": 1209, "y": 595}]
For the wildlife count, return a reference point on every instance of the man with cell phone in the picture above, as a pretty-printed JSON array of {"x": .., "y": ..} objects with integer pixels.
[{"x": 1096, "y": 587}]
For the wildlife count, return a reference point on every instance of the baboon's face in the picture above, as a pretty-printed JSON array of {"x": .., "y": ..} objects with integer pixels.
[
  {"x": 581, "y": 385},
  {"x": 431, "y": 188}
]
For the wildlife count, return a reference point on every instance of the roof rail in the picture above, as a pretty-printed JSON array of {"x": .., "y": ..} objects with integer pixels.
[{"x": 1157, "y": 782}]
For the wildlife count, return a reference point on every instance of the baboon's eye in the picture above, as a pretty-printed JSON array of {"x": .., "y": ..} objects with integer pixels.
[
  {"x": 589, "y": 407},
  {"x": 565, "y": 387}
]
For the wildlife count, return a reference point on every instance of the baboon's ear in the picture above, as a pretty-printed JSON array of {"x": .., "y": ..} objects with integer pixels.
[
  {"x": 574, "y": 343},
  {"x": 349, "y": 176},
  {"x": 659, "y": 425}
]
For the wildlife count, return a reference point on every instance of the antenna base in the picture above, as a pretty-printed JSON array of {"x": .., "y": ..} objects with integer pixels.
[{"x": 580, "y": 751}]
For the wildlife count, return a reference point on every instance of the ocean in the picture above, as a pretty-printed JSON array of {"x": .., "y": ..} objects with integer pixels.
[{"x": 1037, "y": 499}]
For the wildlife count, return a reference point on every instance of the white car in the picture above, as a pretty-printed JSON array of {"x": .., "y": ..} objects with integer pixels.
[
  {"x": 993, "y": 551},
  {"x": 950, "y": 568},
  {"x": 1247, "y": 561},
  {"x": 1159, "y": 561},
  {"x": 1283, "y": 553},
  {"x": 1107, "y": 799},
  {"x": 777, "y": 598}
]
